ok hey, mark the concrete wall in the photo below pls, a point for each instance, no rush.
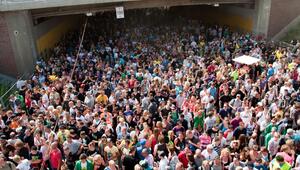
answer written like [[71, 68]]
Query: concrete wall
[[237, 18], [20, 56], [7, 59], [282, 13], [262, 15], [48, 33]]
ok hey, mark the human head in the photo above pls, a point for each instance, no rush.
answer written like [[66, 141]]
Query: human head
[[83, 157]]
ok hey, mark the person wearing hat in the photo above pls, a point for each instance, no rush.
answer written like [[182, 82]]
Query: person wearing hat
[[83, 163]]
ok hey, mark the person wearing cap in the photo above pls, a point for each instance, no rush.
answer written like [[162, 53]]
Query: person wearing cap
[[83, 163], [279, 163]]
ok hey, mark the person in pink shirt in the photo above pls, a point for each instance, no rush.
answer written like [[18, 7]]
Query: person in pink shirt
[[287, 154], [205, 140]]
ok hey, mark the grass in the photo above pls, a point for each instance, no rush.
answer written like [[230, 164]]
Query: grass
[[5, 85], [292, 34]]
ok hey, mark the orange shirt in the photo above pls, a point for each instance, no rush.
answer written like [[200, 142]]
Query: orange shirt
[[14, 125]]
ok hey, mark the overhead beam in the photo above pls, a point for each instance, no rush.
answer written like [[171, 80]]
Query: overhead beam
[[138, 4]]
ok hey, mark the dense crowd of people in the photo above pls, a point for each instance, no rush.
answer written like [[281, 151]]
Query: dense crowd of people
[[156, 95]]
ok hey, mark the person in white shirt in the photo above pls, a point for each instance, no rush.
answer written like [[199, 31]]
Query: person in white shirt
[[210, 121], [164, 162], [22, 164], [246, 115], [209, 153], [20, 83], [148, 157]]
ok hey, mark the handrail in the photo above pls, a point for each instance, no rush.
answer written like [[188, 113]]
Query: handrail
[[9, 90]]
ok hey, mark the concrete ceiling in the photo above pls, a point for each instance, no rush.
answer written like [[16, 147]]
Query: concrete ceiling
[[109, 5]]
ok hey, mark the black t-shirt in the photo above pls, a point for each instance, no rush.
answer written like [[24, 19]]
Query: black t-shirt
[[238, 131], [225, 99], [97, 135], [165, 112], [70, 159], [129, 162], [24, 152], [81, 97], [132, 124], [34, 157], [92, 153], [29, 140]]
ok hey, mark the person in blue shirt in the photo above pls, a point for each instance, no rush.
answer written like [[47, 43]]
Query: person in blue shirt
[[270, 72], [213, 90], [128, 111], [259, 165]]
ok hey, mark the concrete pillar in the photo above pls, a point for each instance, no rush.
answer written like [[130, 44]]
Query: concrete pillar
[[22, 42], [262, 8]]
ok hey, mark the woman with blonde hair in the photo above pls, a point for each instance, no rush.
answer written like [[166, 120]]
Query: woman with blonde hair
[[225, 158], [98, 162], [287, 154]]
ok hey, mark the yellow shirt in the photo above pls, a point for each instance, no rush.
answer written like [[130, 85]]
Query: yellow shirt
[[102, 99], [278, 54]]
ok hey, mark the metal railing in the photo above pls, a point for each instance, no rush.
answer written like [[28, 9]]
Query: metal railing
[[9, 87]]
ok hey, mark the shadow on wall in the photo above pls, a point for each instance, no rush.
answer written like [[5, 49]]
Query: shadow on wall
[[217, 15], [50, 37]]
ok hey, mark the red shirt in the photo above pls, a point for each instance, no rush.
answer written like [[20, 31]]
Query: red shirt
[[131, 83], [183, 159], [55, 158]]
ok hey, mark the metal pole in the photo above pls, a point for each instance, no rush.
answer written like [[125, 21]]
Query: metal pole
[[79, 49]]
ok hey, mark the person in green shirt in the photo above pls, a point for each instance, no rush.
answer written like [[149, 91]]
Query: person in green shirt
[[269, 136], [235, 75], [270, 126], [279, 163], [83, 163], [174, 114], [199, 121]]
